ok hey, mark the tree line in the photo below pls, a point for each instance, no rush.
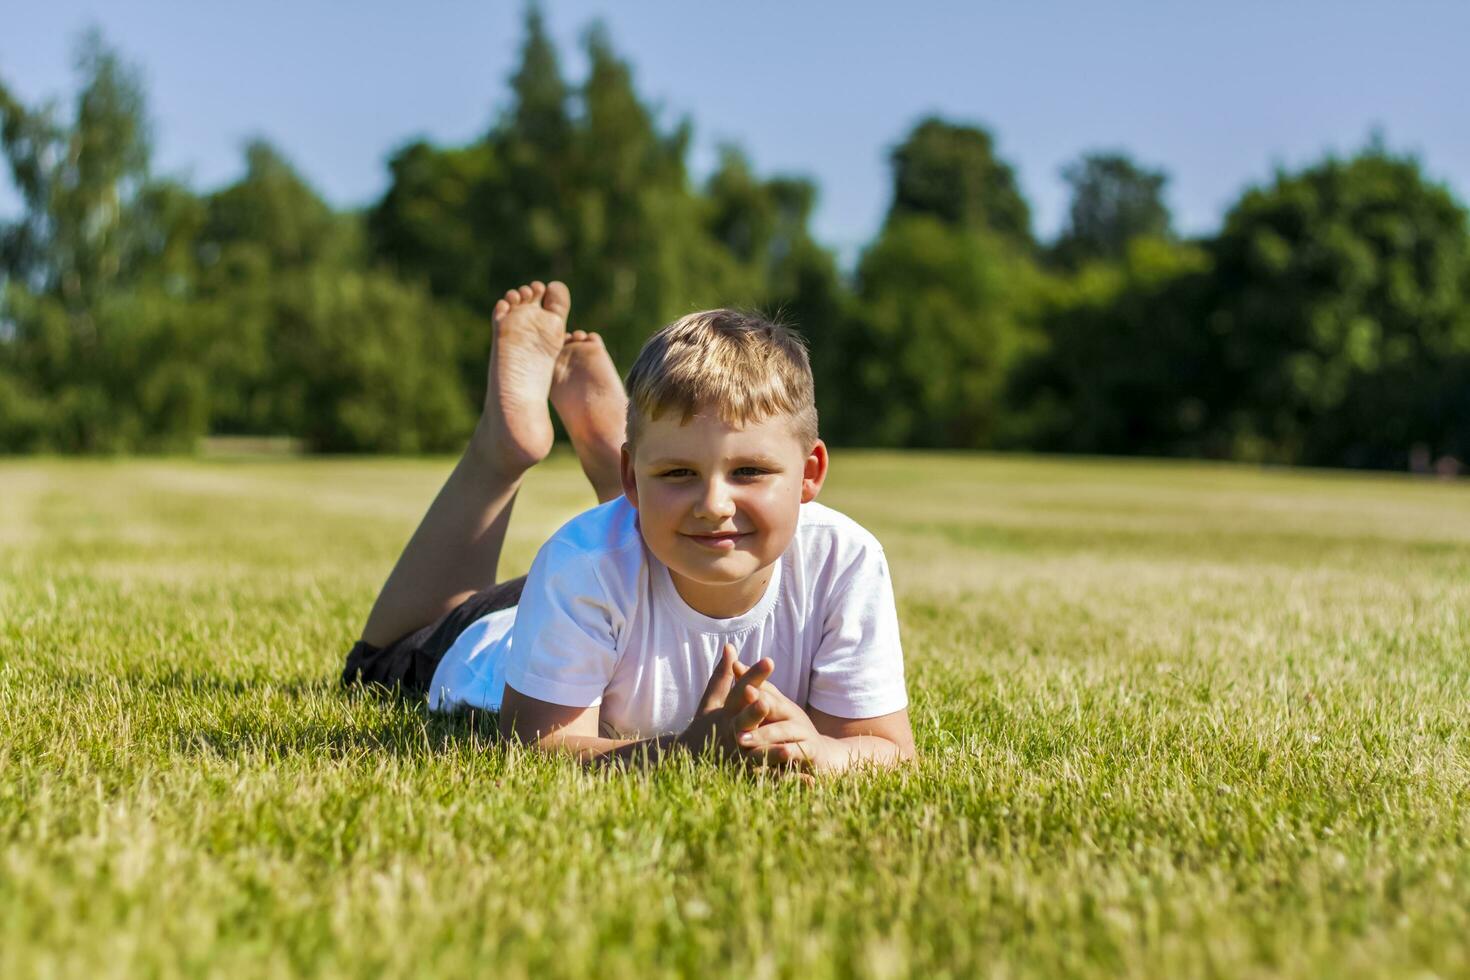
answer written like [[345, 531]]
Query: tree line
[[1327, 322]]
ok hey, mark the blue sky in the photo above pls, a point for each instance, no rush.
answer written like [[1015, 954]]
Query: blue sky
[[1216, 94]]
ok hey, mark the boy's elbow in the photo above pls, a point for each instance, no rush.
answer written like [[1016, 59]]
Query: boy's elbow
[[905, 754], [516, 731]]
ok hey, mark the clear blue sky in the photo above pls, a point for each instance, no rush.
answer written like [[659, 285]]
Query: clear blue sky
[[1215, 96]]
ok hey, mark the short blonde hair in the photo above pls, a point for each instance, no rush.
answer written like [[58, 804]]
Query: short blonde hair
[[743, 366]]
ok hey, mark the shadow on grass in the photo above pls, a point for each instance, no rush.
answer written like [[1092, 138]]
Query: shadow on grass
[[378, 721], [412, 733]]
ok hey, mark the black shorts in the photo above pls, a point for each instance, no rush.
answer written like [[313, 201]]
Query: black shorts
[[406, 665]]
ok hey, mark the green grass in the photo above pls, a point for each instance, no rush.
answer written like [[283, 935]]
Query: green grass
[[1174, 720]]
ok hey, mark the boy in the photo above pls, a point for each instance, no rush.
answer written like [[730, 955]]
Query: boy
[[707, 603]]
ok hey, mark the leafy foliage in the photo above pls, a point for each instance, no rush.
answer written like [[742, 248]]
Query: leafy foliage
[[951, 172], [1114, 201], [1325, 323], [1343, 302]]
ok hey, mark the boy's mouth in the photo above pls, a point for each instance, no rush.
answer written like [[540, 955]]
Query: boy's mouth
[[718, 541]]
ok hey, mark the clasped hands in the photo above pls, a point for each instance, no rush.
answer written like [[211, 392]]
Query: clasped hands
[[749, 720]]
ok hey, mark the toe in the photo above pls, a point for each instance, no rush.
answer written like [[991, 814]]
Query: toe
[[501, 309], [579, 335], [538, 289], [526, 294], [558, 298], [512, 297]]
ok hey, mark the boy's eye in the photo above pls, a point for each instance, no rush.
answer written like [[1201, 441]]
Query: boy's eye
[[677, 473], [750, 471]]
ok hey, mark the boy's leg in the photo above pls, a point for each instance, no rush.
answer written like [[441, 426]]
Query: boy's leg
[[455, 551], [407, 665], [589, 398]]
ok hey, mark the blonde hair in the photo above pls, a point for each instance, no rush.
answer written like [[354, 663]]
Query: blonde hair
[[741, 365]]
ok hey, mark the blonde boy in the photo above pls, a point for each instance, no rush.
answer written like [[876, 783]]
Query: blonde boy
[[707, 603]]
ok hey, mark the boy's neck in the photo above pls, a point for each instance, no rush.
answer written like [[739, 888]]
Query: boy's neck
[[723, 601]]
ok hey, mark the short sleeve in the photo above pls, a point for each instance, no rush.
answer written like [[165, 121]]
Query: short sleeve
[[857, 671], [564, 645]]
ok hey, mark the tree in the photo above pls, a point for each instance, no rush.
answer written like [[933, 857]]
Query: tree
[[951, 172], [945, 313], [1126, 365], [435, 223], [274, 214], [597, 194], [1114, 201], [946, 297], [98, 348], [79, 183], [359, 364], [1340, 296]]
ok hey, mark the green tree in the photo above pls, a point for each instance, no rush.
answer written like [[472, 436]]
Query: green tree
[[362, 363], [952, 173], [1341, 298], [582, 183], [435, 223], [98, 346], [946, 299], [275, 215], [945, 313], [80, 183], [1126, 365], [1114, 201]]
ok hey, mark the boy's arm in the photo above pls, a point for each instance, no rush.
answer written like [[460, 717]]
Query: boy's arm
[[886, 740], [564, 729]]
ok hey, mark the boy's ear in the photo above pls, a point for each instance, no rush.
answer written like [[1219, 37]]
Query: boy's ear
[[625, 470], [814, 474]]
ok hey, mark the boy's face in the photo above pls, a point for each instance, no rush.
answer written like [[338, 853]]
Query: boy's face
[[719, 504]]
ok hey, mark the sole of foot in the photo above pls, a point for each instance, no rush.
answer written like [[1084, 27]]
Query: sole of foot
[[589, 398], [530, 328]]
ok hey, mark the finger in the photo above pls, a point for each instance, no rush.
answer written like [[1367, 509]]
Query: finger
[[720, 679], [740, 668], [782, 754], [778, 706], [751, 677], [750, 716], [750, 681], [775, 733], [758, 672]]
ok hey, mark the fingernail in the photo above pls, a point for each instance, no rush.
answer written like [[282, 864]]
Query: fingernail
[[747, 737]]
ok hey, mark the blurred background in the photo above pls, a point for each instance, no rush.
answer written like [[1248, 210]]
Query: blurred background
[[1234, 233]]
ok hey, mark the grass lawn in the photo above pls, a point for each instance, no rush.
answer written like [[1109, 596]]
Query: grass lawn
[[1174, 720]]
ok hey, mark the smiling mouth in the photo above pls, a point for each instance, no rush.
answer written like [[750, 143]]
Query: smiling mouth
[[723, 540]]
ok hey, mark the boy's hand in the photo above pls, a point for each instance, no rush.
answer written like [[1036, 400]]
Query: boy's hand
[[732, 689], [773, 731]]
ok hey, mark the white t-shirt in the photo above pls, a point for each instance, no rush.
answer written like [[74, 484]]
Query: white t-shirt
[[600, 623]]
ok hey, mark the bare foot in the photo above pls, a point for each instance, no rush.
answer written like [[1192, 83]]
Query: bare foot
[[589, 397], [530, 326]]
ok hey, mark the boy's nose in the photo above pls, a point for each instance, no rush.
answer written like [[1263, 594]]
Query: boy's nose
[[715, 503]]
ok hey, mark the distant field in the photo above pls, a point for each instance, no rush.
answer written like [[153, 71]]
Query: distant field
[[1174, 719]]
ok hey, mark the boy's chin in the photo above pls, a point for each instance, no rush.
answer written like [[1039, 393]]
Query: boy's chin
[[721, 571]]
